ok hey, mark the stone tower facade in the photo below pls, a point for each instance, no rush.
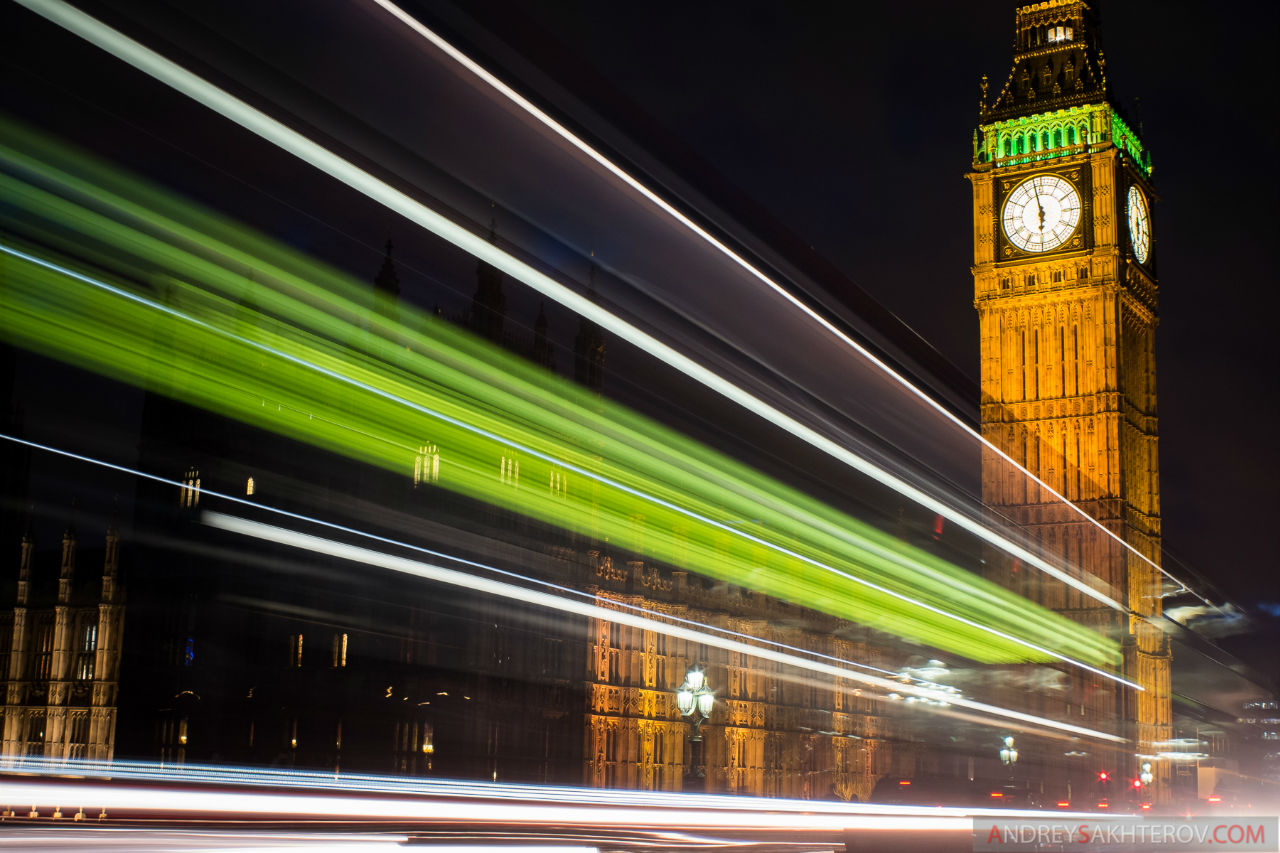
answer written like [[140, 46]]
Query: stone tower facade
[[60, 658], [1064, 270]]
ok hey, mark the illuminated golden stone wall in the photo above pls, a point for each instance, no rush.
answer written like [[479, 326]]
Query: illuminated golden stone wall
[[1069, 392], [772, 733], [62, 666]]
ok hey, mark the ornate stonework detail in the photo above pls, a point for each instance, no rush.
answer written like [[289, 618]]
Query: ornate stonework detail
[[62, 668], [759, 740], [606, 570]]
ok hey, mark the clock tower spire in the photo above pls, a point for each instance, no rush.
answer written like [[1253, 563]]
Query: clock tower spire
[[1064, 270]]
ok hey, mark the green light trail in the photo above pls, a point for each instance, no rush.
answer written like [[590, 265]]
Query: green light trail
[[237, 325]]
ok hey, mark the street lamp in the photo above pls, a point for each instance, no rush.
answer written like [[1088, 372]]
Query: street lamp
[[695, 700], [1008, 755]]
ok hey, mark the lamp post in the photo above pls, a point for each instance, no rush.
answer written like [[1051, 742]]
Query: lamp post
[[1009, 756], [695, 699]]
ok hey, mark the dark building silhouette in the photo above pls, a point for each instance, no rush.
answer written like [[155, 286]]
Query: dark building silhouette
[[488, 303], [589, 347], [387, 281], [386, 287], [542, 352]]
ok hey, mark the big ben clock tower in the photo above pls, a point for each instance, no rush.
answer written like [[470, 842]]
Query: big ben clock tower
[[1064, 270]]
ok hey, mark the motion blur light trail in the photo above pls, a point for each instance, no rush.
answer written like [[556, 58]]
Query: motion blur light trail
[[451, 809], [233, 792], [60, 838], [309, 780], [325, 160], [501, 589], [313, 364], [709, 635], [577, 602], [84, 321], [514, 97]]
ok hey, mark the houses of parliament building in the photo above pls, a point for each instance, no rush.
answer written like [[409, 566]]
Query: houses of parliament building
[[177, 645]]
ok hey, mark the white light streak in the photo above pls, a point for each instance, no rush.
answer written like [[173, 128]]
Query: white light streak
[[662, 620], [85, 837], [326, 161], [564, 133], [453, 810], [400, 786], [440, 574]]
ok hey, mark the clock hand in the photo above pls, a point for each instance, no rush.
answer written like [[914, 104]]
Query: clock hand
[[1039, 206]]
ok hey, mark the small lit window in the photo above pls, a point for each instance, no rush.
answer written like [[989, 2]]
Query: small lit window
[[87, 658], [559, 483], [295, 650], [189, 494], [249, 487], [182, 731], [339, 650], [509, 470], [426, 465]]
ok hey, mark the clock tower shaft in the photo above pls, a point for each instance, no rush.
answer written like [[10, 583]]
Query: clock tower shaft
[[1068, 374]]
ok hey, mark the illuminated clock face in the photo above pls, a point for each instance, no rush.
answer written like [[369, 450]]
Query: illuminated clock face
[[1139, 225], [1041, 213]]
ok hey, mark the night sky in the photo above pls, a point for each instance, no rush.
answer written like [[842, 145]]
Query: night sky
[[851, 124]]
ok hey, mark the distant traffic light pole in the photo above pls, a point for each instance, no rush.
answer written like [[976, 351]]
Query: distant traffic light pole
[[695, 699]]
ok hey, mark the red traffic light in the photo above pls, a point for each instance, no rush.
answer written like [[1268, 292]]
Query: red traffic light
[[1103, 776], [1137, 783]]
